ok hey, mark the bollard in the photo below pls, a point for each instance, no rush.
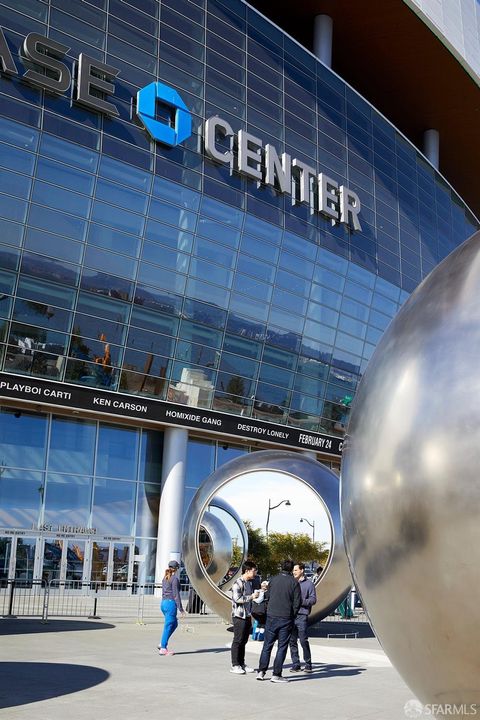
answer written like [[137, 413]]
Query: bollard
[[45, 601], [10, 599], [94, 615]]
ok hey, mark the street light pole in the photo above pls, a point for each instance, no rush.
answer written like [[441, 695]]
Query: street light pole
[[272, 507], [312, 525]]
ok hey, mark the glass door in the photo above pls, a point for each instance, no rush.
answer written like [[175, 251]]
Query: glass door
[[25, 559], [121, 555], [100, 564], [75, 560], [5, 557], [52, 559]]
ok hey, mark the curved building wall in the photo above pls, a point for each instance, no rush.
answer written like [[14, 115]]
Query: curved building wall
[[155, 271], [137, 276], [458, 23]]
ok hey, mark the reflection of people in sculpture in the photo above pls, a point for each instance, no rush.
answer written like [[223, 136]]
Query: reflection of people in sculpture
[[284, 600], [171, 602], [242, 596], [299, 631]]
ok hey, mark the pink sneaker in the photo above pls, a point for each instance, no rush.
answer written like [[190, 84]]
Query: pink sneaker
[[164, 651]]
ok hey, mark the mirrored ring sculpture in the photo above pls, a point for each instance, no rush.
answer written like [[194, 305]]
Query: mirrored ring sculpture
[[335, 580], [221, 541]]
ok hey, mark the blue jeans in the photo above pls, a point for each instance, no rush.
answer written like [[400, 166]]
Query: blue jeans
[[169, 609], [299, 632], [276, 628]]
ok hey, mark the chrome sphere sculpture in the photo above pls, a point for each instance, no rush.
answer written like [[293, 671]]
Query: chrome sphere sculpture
[[410, 494], [221, 504], [221, 543], [335, 580]]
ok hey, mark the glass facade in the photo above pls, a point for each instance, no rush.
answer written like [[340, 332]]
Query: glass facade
[[151, 270]]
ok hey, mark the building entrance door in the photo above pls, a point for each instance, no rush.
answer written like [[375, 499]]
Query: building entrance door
[[112, 562]]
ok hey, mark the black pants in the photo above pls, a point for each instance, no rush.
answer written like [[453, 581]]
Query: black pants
[[241, 631], [299, 632], [276, 629]]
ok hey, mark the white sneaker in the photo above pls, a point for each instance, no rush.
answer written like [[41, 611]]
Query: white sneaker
[[237, 670], [248, 669], [261, 675], [279, 679]]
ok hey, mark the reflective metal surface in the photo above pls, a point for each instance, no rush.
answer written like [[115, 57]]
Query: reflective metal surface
[[221, 504], [220, 551], [335, 580], [411, 489]]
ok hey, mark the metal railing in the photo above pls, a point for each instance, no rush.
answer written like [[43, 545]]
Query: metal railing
[[40, 598]]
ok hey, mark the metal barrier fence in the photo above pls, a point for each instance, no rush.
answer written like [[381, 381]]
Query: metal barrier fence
[[20, 598]]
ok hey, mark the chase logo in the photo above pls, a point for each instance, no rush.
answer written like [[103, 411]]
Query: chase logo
[[159, 99]]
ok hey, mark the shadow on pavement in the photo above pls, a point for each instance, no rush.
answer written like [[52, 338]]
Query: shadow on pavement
[[338, 627], [25, 682], [327, 671], [25, 626]]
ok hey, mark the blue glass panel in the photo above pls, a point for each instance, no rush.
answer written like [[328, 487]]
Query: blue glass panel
[[53, 269], [116, 264], [60, 199], [67, 152], [41, 314], [22, 112], [14, 159], [173, 215], [256, 268], [68, 497], [225, 213], [115, 240], [21, 501], [246, 306], [118, 195], [11, 233], [104, 307], [151, 252], [117, 218], [72, 446], [37, 290], [23, 438], [113, 506], [169, 236], [200, 461], [260, 249], [49, 219], [211, 273], [161, 278], [104, 284], [252, 288], [126, 175], [67, 177], [19, 135], [209, 293], [218, 231], [211, 251], [12, 209]]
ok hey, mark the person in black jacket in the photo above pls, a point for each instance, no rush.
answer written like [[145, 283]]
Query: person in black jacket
[[283, 603]]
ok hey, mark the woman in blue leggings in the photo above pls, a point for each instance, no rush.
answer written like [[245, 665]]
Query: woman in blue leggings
[[171, 602]]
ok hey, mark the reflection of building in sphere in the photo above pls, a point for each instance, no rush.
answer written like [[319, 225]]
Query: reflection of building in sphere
[[410, 486]]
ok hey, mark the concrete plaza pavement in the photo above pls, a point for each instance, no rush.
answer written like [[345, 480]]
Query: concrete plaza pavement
[[76, 669]]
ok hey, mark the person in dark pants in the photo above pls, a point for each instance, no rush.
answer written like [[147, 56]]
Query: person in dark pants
[[242, 596], [299, 632], [283, 603]]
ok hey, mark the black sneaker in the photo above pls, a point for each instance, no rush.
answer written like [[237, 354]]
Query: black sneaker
[[308, 669], [295, 668]]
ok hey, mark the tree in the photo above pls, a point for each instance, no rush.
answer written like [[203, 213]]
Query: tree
[[282, 546]]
